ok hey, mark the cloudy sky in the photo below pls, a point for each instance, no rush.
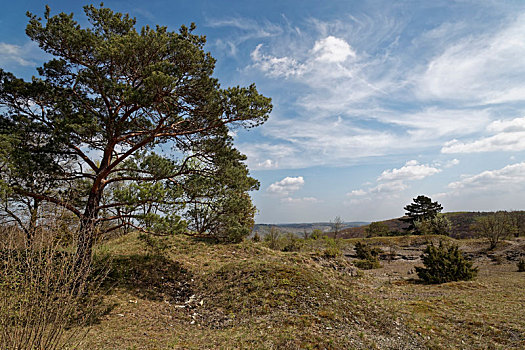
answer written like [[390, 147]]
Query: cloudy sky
[[375, 102]]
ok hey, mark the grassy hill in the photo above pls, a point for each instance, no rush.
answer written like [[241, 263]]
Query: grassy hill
[[461, 225], [182, 293]]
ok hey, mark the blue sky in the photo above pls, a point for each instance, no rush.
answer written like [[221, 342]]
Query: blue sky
[[375, 102]]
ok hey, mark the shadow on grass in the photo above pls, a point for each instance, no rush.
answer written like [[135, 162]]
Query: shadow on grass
[[149, 276], [206, 240]]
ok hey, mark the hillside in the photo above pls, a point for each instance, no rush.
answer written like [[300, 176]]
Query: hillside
[[461, 225], [299, 228], [182, 293]]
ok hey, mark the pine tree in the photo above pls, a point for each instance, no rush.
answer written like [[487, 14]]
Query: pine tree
[[420, 210], [127, 128]]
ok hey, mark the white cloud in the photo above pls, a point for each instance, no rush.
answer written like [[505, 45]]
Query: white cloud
[[510, 136], [286, 186], [259, 153], [485, 68], [254, 28], [336, 140], [412, 170], [508, 179], [276, 66], [302, 200], [392, 182], [339, 119], [512, 125], [325, 67], [332, 49], [357, 193], [353, 82], [393, 187], [501, 142], [434, 123], [324, 52], [267, 164], [330, 138], [244, 29], [20, 55], [451, 163]]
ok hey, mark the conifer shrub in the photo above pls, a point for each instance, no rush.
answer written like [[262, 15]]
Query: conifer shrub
[[368, 257], [445, 263], [364, 251], [367, 264]]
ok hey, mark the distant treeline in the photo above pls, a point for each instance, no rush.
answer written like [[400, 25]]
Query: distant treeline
[[461, 224], [299, 228]]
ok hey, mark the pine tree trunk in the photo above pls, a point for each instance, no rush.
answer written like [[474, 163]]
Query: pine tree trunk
[[86, 234], [30, 232]]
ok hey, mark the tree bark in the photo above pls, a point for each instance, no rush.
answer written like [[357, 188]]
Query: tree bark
[[86, 234], [33, 220]]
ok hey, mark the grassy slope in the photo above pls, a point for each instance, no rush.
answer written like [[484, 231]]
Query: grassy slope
[[204, 296]]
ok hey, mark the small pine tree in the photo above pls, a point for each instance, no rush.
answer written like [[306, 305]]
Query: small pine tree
[[445, 263], [364, 251], [367, 264], [368, 256], [421, 209]]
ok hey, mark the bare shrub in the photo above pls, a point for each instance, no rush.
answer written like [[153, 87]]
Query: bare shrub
[[494, 227], [273, 238], [337, 225], [44, 293]]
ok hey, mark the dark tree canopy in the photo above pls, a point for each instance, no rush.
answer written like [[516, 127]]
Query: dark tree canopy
[[421, 209], [126, 128]]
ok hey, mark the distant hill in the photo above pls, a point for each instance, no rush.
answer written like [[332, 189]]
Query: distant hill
[[299, 228], [461, 223]]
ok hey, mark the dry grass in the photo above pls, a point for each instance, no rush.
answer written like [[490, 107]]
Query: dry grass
[[198, 295]]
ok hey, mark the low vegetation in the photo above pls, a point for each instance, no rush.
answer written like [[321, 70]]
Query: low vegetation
[[125, 210], [179, 292], [368, 257], [44, 292], [445, 263], [521, 265], [495, 227]]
